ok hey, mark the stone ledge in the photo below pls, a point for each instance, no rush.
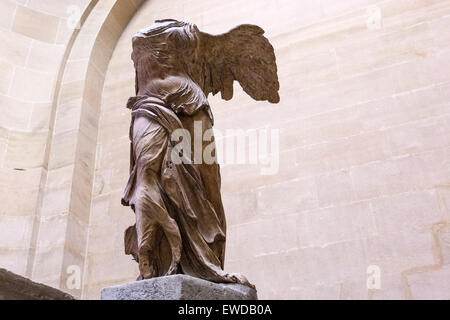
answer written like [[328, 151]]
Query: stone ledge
[[178, 287], [15, 287]]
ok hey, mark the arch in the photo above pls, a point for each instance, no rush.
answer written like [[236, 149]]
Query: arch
[[60, 229]]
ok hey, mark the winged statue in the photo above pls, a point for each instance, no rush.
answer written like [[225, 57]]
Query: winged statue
[[180, 222]]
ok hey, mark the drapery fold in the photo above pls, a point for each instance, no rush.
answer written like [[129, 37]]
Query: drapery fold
[[180, 191]]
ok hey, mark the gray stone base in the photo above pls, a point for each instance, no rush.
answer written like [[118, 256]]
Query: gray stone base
[[15, 287], [178, 287]]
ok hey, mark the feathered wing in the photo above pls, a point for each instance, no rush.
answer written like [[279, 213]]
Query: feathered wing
[[242, 54]]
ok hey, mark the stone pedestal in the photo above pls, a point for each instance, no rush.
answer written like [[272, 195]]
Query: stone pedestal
[[178, 287], [15, 287]]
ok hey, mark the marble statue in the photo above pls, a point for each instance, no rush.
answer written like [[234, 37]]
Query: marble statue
[[180, 223]]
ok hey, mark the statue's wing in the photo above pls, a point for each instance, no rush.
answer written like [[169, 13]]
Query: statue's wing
[[242, 54]]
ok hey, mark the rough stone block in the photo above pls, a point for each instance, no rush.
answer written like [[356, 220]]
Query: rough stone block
[[178, 287], [15, 287]]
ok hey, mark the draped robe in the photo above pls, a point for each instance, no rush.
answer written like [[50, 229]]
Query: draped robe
[[188, 193]]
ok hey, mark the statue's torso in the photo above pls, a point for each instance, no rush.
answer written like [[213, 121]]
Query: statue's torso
[[179, 93]]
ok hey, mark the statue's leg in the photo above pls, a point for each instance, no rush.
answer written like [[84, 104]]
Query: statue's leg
[[150, 140], [145, 229], [151, 212]]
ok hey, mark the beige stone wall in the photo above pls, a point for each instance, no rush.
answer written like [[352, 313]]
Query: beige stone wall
[[364, 176], [48, 163], [364, 130], [34, 35]]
